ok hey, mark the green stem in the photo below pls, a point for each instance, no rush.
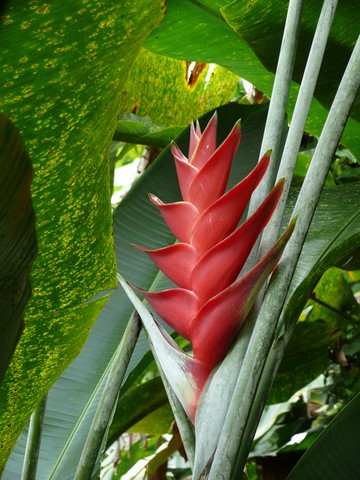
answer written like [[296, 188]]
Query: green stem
[[278, 103], [33, 442], [237, 421], [266, 380], [286, 169], [108, 399], [276, 117], [299, 117]]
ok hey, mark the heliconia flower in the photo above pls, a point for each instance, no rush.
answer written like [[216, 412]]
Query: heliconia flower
[[212, 300]]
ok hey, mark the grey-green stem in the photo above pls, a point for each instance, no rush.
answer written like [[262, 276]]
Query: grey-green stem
[[275, 122], [300, 114], [33, 442], [186, 430], [117, 370], [278, 103]]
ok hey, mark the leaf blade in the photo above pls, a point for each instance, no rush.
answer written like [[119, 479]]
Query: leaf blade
[[18, 243]]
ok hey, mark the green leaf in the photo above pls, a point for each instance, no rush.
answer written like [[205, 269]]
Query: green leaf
[[157, 422], [245, 37], [159, 88], [335, 453], [305, 357], [63, 69], [334, 236], [142, 130], [301, 167], [267, 46], [333, 301], [17, 238], [307, 354]]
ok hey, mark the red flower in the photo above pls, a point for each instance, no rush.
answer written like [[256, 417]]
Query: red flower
[[212, 301]]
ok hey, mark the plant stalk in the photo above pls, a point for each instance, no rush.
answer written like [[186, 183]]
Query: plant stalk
[[297, 126], [286, 168], [233, 445], [118, 367], [33, 442], [275, 121], [278, 102]]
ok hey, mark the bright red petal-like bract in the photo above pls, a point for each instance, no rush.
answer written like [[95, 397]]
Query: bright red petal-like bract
[[212, 300]]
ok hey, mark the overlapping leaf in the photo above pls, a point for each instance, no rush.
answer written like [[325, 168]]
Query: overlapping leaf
[[338, 441], [63, 69]]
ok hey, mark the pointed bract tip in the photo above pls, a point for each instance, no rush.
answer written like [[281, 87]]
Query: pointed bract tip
[[280, 183], [139, 247], [154, 199], [268, 152]]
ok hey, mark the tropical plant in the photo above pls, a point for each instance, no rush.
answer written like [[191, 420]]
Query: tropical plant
[[67, 72]]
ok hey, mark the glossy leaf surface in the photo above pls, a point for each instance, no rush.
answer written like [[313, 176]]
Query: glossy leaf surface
[[189, 96]]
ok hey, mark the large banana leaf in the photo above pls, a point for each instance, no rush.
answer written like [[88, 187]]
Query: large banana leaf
[[245, 38], [17, 238], [63, 69]]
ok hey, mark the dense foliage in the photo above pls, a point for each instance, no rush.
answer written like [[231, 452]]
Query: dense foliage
[[83, 79]]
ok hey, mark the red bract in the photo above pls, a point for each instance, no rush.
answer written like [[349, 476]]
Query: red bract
[[212, 301]]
